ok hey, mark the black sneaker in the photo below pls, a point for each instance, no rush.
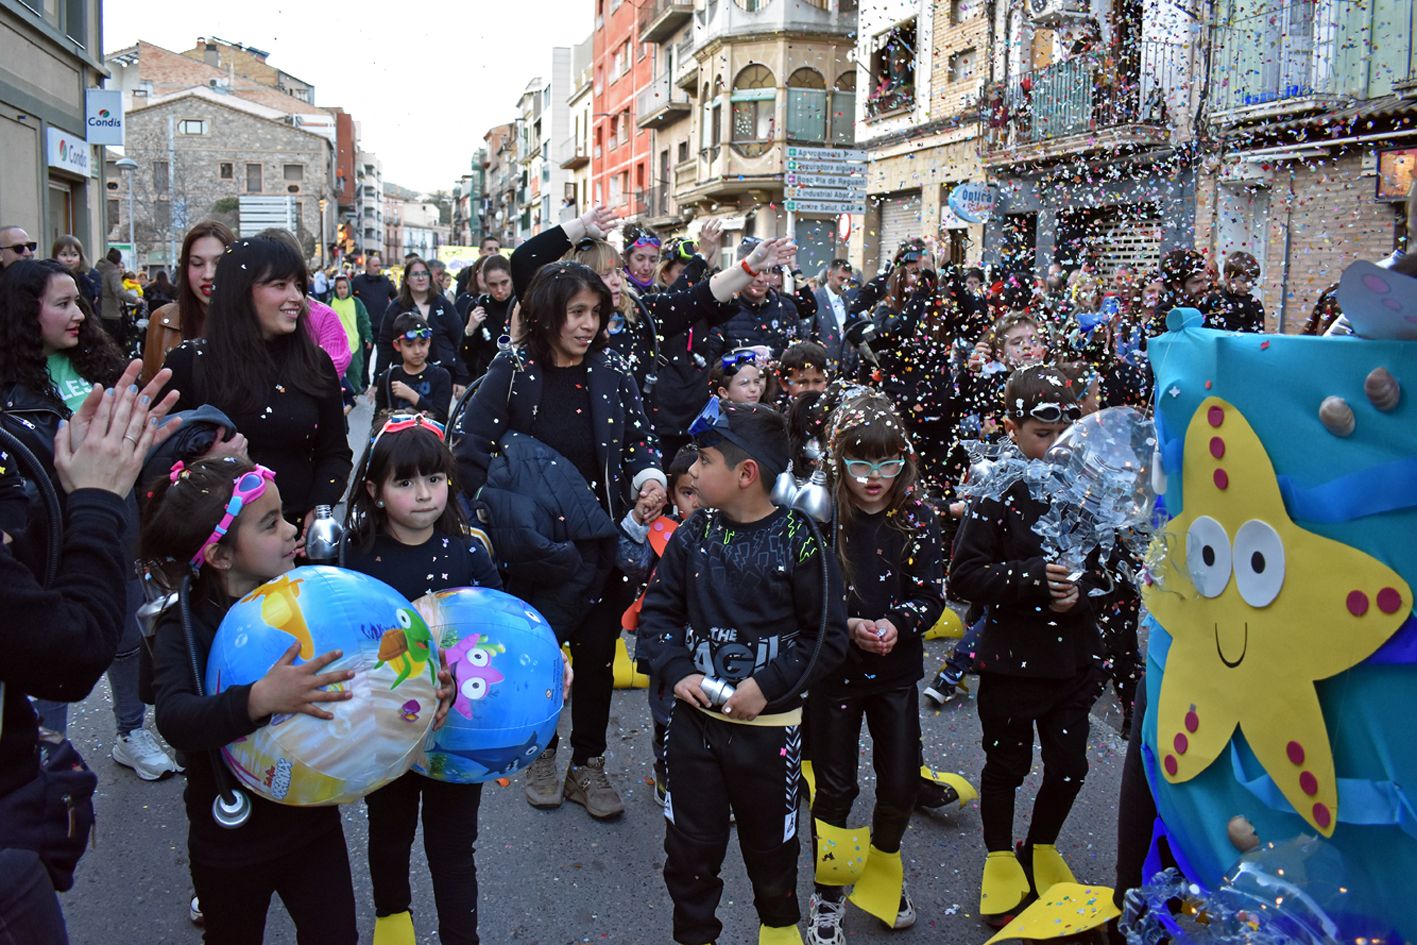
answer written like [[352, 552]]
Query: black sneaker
[[943, 688], [933, 795]]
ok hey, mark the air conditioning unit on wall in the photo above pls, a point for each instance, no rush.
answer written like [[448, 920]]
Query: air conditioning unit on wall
[[1053, 12]]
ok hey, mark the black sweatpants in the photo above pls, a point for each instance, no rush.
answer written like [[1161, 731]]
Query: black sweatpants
[[893, 719], [593, 682], [312, 880], [1009, 709], [449, 838], [752, 770]]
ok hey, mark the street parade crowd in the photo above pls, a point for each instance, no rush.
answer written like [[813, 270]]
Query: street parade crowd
[[760, 471]]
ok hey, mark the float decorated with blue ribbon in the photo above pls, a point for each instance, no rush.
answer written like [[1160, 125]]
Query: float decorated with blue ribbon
[[1283, 649]]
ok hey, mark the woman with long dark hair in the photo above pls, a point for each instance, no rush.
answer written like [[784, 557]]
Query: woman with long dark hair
[[183, 319], [53, 350], [420, 294], [560, 387], [257, 362]]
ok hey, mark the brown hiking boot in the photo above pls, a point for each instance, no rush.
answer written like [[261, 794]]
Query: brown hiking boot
[[542, 781], [588, 785]]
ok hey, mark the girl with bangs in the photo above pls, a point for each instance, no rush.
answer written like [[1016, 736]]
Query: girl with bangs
[[888, 544], [258, 363], [407, 530]]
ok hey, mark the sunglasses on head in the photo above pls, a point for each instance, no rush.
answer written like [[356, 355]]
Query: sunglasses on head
[[29, 247], [646, 241], [416, 334], [739, 358]]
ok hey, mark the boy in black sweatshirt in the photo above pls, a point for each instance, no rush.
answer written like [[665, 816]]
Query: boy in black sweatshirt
[[1038, 658], [739, 598], [413, 383]]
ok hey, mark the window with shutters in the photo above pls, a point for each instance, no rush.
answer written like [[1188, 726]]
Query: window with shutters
[[754, 102]]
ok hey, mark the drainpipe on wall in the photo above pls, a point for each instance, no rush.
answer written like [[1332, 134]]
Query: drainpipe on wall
[[1284, 267]]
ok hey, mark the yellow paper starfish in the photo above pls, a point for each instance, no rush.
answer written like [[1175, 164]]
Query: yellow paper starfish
[[1248, 639]]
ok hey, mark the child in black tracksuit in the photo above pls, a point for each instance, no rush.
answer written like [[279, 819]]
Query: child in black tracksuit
[[739, 597], [888, 542], [1038, 657]]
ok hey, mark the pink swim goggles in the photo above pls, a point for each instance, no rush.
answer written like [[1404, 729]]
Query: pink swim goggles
[[245, 489]]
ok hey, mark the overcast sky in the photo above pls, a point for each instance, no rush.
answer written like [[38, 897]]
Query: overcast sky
[[424, 81]]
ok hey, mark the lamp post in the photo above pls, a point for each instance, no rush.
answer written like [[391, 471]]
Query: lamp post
[[323, 205], [127, 165]]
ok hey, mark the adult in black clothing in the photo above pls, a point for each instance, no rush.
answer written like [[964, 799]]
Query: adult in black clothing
[[1186, 282], [801, 294], [486, 315], [763, 317], [560, 386], [374, 289], [658, 331], [419, 294], [96, 460], [1233, 307], [259, 365]]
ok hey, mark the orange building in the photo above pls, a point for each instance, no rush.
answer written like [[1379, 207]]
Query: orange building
[[620, 149]]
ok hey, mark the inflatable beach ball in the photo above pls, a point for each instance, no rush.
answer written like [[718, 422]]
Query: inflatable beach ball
[[507, 677], [374, 737]]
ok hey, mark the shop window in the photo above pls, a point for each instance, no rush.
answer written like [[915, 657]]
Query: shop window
[[754, 101], [892, 70]]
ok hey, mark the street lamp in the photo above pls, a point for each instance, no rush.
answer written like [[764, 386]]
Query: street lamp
[[127, 165]]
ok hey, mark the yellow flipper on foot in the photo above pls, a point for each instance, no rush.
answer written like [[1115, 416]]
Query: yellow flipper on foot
[[1049, 868], [396, 929], [623, 669], [1005, 885], [878, 890], [963, 788], [948, 627], [1067, 909], [809, 778], [779, 935], [841, 853]]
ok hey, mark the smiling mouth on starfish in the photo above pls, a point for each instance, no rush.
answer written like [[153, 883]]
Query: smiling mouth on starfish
[[1244, 648]]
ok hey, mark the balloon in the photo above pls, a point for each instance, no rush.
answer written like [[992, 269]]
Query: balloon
[[304, 761], [507, 672]]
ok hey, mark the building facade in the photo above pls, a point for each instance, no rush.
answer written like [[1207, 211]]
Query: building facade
[[622, 69], [1313, 126], [500, 215], [922, 65], [52, 181], [575, 151], [664, 110], [368, 202], [1090, 131]]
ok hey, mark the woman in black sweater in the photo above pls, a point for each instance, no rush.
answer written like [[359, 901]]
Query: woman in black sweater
[[418, 294], [257, 363]]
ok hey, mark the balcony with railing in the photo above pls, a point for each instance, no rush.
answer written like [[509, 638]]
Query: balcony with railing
[[686, 67], [575, 153], [1265, 66], [661, 104], [1090, 102], [660, 19]]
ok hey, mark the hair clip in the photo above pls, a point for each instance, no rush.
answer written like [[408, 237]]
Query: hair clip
[[178, 470]]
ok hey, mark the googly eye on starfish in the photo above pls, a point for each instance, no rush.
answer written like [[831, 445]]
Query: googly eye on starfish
[[1258, 609]]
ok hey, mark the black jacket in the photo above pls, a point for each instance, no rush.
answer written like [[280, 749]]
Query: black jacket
[[998, 563], [58, 641], [480, 347], [1229, 312], [508, 400], [447, 339], [376, 293], [739, 600], [550, 537], [198, 727], [773, 322]]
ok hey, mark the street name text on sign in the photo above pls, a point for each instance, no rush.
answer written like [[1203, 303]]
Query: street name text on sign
[[825, 180]]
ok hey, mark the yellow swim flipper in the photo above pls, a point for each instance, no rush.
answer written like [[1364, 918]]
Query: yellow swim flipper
[[879, 889], [396, 929], [1004, 888], [841, 853]]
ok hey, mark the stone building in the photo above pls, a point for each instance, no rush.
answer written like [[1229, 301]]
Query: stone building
[[199, 150]]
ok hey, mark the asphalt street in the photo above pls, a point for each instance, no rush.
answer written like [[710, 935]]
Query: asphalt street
[[558, 877]]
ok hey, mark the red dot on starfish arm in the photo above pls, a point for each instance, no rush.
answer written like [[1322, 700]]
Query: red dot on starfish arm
[[1193, 721], [1181, 743], [1295, 752], [1171, 766], [1216, 416], [1217, 447], [1322, 817], [1222, 479], [1389, 600], [1308, 783], [1357, 603]]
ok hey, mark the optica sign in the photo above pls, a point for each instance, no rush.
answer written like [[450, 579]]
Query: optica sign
[[103, 116], [973, 203]]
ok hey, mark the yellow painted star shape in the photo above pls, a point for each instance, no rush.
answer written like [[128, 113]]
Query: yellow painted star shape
[[1258, 609]]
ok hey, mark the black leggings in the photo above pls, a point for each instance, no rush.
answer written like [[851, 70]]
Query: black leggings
[[449, 838], [1009, 708], [312, 880], [593, 682], [894, 722], [752, 770]]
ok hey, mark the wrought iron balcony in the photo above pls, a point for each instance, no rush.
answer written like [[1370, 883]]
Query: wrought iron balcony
[[661, 19]]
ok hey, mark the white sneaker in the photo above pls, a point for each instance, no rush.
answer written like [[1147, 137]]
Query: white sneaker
[[905, 917], [194, 912], [140, 751], [824, 921]]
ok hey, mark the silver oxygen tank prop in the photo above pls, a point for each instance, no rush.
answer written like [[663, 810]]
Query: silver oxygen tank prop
[[323, 538], [784, 489], [814, 498]]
